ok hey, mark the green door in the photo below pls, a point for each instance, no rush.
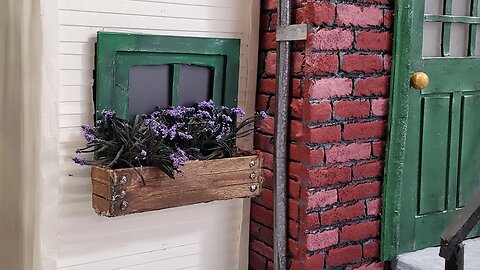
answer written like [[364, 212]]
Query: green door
[[433, 160]]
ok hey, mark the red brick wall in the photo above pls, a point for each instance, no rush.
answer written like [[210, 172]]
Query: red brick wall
[[340, 85]]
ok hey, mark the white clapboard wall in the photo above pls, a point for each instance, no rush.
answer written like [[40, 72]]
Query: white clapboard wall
[[205, 236]]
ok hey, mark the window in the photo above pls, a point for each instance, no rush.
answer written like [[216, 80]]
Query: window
[[136, 73]]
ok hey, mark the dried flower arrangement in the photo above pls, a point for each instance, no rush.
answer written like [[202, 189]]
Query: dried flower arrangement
[[166, 138]]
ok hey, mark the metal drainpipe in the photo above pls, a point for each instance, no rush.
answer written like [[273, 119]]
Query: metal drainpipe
[[285, 34]]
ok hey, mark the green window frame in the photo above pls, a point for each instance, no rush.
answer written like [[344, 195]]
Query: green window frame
[[118, 53]]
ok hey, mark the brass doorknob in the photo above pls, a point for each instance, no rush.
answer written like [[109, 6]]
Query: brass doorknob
[[419, 80]]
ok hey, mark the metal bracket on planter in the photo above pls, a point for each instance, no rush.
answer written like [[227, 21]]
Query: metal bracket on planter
[[292, 32]]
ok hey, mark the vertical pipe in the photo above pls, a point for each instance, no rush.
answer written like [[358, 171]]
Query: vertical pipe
[[282, 94]]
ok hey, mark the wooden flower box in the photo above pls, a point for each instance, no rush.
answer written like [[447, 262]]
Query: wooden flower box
[[121, 192]]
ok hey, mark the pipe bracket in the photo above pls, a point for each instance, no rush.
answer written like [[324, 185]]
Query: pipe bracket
[[293, 32]]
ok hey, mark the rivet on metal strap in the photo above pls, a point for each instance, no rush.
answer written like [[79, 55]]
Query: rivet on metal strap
[[123, 194], [253, 176], [252, 163], [253, 188], [124, 205]]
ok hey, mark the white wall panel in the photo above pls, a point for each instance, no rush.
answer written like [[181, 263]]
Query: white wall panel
[[211, 236]]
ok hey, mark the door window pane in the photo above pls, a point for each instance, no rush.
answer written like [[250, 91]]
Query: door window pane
[[432, 39], [459, 39], [477, 49], [149, 87], [434, 7], [195, 84], [461, 7]]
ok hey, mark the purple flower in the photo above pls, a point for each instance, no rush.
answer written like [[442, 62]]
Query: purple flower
[[227, 118], [206, 105], [88, 133], [78, 160], [263, 114], [238, 112], [178, 158], [185, 136], [204, 114], [219, 138], [143, 153], [108, 114]]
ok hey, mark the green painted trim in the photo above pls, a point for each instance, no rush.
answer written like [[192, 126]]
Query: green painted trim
[[446, 29], [473, 30], [109, 45], [175, 83], [403, 51], [452, 19]]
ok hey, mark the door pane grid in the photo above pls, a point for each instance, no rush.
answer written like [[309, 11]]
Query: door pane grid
[[473, 30], [460, 25], [447, 29]]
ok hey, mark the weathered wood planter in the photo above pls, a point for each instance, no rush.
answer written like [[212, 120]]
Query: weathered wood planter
[[121, 192]]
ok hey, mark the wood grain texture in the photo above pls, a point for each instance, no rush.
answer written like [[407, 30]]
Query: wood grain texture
[[121, 192]]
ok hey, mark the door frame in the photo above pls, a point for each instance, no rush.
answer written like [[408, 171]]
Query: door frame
[[397, 129]]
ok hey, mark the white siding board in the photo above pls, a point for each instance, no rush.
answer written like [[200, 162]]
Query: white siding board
[[203, 236]]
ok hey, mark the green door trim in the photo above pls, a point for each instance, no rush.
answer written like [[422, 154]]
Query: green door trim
[[397, 128]]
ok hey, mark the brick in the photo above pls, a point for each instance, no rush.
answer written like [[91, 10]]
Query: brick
[[330, 87], [321, 13], [380, 107], [297, 129], [365, 130], [262, 215], [321, 198], [270, 4], [344, 255], [369, 266], [293, 229], [378, 86], [262, 233], [342, 214], [297, 170], [350, 152], [312, 221], [292, 247], [378, 148], [360, 231], [296, 90], [300, 15], [359, 191], [314, 262], [331, 39], [266, 86], [268, 178], [387, 62], [267, 160], [302, 153], [266, 198], [327, 134], [373, 41], [367, 170], [263, 142], [293, 209], [267, 41], [374, 207], [266, 125], [326, 176], [317, 112], [347, 109], [262, 102], [257, 261], [359, 15], [321, 63], [271, 63], [293, 189], [388, 19], [262, 249], [371, 249], [296, 107], [322, 240], [367, 63]]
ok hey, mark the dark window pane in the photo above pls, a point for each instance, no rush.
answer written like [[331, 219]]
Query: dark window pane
[[149, 88], [195, 84]]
